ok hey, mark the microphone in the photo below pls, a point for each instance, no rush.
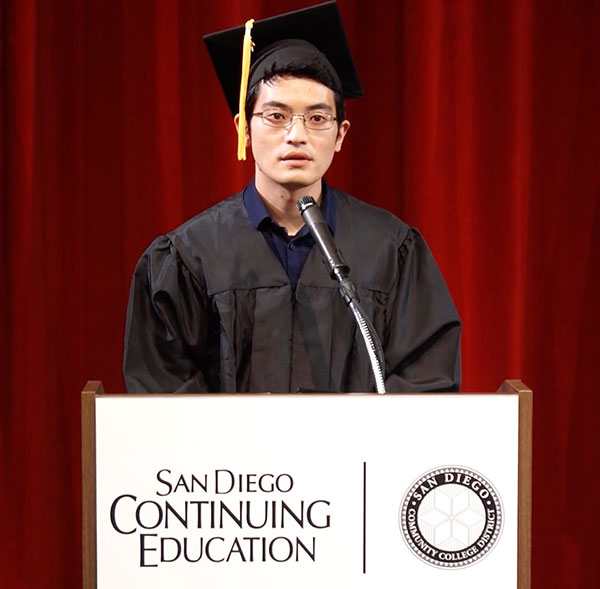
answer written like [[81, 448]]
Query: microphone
[[332, 257], [339, 270]]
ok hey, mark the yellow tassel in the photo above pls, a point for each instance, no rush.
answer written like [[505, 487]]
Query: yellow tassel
[[247, 49]]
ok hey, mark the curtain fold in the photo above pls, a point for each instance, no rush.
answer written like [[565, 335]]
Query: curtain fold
[[480, 126]]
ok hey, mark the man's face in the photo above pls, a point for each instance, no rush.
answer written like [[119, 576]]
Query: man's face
[[295, 157]]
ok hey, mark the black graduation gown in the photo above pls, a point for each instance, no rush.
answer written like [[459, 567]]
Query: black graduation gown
[[211, 309]]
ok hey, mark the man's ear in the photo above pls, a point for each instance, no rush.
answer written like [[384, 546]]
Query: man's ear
[[342, 130], [236, 120]]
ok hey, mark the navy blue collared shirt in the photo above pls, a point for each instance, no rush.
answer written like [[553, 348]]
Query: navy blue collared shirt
[[293, 251]]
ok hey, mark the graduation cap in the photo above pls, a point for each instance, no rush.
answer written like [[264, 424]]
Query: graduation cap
[[310, 36]]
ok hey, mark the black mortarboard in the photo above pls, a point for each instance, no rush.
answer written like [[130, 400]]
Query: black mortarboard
[[320, 25]]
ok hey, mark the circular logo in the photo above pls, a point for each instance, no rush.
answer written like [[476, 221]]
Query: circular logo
[[451, 517]]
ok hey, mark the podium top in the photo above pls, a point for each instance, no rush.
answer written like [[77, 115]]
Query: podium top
[[509, 386]]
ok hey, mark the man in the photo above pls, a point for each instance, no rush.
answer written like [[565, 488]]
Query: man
[[237, 298]]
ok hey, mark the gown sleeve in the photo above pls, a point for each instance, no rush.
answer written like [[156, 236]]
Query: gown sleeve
[[166, 326], [422, 343]]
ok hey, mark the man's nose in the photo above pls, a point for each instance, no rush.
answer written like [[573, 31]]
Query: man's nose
[[296, 131]]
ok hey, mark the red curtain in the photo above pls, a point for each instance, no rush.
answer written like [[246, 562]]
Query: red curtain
[[480, 126]]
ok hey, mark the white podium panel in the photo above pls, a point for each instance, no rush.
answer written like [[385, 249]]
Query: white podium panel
[[297, 491]]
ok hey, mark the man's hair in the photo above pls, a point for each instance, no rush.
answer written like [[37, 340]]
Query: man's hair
[[310, 72]]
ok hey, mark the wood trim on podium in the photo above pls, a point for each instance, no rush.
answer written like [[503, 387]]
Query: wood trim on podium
[[525, 460], [88, 480]]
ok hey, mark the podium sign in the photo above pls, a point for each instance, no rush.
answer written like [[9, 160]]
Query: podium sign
[[271, 491]]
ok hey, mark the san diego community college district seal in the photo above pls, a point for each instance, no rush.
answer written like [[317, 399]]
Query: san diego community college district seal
[[451, 517]]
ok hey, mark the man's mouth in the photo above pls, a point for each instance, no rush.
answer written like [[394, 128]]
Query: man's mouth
[[296, 156]]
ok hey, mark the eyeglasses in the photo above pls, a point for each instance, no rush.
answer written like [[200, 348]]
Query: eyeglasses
[[315, 120]]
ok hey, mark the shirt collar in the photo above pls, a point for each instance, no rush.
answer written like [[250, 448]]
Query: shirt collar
[[258, 213]]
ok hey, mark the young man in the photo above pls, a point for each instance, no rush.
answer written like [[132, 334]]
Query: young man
[[237, 298]]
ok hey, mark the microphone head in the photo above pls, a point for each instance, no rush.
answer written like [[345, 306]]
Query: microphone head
[[304, 202]]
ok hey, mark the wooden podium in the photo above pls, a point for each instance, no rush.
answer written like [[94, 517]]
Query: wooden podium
[[307, 490]]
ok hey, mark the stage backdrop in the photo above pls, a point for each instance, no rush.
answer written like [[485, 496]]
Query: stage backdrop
[[480, 126]]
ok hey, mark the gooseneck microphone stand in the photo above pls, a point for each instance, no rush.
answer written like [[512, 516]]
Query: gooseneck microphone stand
[[339, 271]]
